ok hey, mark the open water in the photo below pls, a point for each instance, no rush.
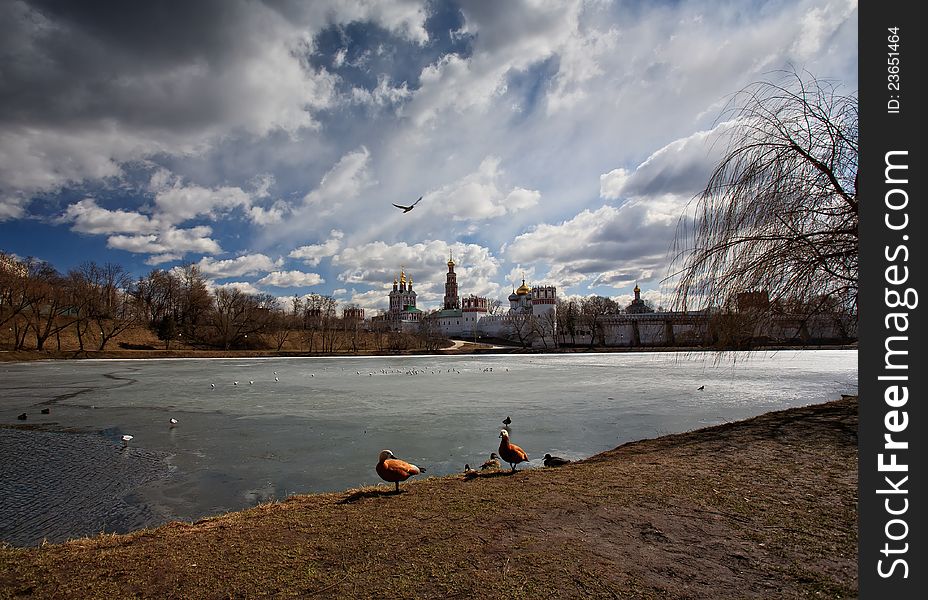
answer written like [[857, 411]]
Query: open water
[[302, 425]]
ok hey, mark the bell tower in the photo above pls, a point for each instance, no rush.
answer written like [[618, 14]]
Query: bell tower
[[451, 287]]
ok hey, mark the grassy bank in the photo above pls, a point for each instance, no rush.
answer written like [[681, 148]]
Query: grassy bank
[[765, 507]]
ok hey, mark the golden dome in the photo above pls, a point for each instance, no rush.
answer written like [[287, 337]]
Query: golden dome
[[450, 260], [523, 289], [403, 276], [637, 289]]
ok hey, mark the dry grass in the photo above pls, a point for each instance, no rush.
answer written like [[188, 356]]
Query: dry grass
[[760, 508]]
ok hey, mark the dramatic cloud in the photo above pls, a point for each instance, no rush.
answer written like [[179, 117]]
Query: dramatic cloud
[[563, 140]]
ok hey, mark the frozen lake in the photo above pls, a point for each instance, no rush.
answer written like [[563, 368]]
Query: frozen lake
[[321, 424]]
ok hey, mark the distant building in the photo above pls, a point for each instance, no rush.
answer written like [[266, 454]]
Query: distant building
[[403, 314], [638, 306], [353, 313]]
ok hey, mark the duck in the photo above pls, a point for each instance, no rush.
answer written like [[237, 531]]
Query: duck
[[22, 417], [173, 421], [46, 411], [509, 452], [395, 470], [470, 473], [555, 461], [702, 387], [491, 464]]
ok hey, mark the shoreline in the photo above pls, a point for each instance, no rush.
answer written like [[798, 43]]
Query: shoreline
[[29, 356], [708, 513]]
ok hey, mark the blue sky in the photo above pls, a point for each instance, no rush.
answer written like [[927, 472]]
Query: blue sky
[[266, 141]]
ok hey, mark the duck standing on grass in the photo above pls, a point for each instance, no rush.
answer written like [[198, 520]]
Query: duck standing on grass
[[509, 452], [395, 470]]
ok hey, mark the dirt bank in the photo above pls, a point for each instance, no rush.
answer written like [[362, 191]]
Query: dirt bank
[[762, 508]]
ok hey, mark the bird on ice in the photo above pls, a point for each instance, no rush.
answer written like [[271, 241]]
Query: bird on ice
[[395, 470], [555, 461], [509, 452], [406, 209], [491, 464]]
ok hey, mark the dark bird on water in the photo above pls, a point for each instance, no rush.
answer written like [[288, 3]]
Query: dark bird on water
[[555, 461], [406, 209], [46, 411], [22, 417], [702, 387], [507, 421]]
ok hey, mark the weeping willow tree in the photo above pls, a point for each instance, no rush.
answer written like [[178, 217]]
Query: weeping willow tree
[[779, 214]]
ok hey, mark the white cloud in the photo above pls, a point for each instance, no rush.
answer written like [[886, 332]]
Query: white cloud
[[88, 217], [177, 202], [291, 279], [248, 264], [173, 243], [312, 254], [612, 183], [478, 195], [245, 287], [342, 182]]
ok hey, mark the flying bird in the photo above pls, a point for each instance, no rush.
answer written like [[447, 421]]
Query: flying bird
[[395, 470], [555, 461], [406, 209], [509, 452]]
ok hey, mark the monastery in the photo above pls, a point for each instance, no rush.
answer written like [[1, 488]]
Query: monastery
[[532, 320], [468, 316]]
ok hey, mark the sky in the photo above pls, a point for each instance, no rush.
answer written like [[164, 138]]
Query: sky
[[266, 141]]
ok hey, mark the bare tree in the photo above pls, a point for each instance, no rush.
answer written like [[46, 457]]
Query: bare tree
[[110, 307], [779, 213], [568, 317], [592, 309]]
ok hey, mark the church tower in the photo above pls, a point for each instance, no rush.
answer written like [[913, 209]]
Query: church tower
[[451, 287]]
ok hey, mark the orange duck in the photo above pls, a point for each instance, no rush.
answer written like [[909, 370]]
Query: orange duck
[[509, 452], [395, 470]]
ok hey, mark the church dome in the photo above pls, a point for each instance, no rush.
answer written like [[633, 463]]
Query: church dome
[[513, 296], [523, 289]]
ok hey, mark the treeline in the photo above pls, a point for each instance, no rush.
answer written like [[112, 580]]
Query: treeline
[[96, 303]]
